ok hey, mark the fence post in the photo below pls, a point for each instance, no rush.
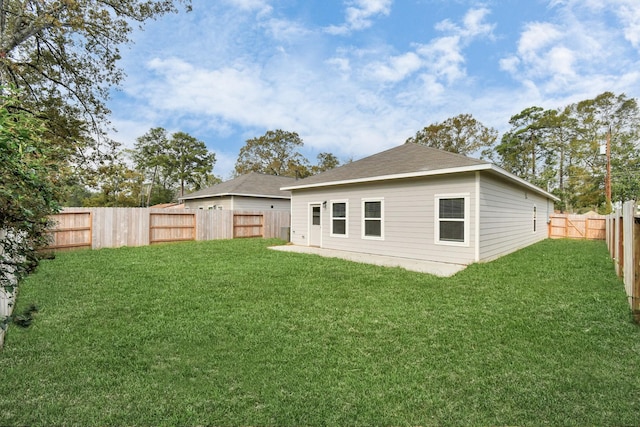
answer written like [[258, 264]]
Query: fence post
[[635, 299]]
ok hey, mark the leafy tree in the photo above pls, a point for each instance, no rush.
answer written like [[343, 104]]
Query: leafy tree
[[178, 160], [189, 161], [523, 149], [560, 149], [64, 54], [560, 134], [274, 153], [119, 186], [461, 134], [150, 159], [28, 189], [326, 161], [595, 119]]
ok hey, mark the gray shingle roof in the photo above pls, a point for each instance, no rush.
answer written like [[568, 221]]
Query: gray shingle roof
[[252, 184], [407, 160], [404, 159]]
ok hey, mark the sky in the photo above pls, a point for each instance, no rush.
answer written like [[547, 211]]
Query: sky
[[356, 77]]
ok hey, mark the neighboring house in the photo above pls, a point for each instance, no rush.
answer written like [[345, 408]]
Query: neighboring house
[[419, 203], [253, 191]]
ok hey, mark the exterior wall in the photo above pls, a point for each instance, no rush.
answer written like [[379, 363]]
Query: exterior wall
[[260, 204], [408, 217], [239, 203], [224, 202], [506, 217]]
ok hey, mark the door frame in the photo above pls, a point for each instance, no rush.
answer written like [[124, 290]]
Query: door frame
[[310, 207]]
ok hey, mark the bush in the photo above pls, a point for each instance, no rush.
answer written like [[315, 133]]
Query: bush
[[28, 194]]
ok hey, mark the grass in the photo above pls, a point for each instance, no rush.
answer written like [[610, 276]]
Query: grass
[[230, 333]]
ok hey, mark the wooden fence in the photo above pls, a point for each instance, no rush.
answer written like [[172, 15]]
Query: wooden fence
[[571, 226], [623, 241], [115, 227]]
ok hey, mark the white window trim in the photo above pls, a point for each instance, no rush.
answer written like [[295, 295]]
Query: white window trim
[[374, 199], [346, 218], [466, 220]]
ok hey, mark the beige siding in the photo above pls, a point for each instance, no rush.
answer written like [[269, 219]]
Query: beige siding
[[239, 203], [506, 217], [224, 203], [260, 204], [409, 218]]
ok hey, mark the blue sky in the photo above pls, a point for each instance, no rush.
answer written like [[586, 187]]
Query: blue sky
[[354, 77]]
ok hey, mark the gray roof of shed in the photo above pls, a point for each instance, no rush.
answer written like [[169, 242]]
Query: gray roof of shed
[[406, 161], [251, 185]]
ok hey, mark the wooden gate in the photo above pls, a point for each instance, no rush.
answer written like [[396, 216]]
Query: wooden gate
[[73, 230], [248, 225], [171, 227], [577, 227]]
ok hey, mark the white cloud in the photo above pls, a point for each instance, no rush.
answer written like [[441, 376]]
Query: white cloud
[[473, 24], [578, 48], [286, 30], [359, 15], [397, 68], [444, 58], [260, 6], [538, 36], [629, 14]]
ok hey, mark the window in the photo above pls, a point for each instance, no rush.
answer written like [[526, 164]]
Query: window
[[315, 220], [372, 223], [339, 219], [452, 214], [535, 217]]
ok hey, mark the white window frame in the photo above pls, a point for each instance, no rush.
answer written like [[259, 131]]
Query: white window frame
[[381, 219], [466, 219], [346, 218]]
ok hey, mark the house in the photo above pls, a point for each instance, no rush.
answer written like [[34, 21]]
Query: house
[[419, 203], [253, 191]]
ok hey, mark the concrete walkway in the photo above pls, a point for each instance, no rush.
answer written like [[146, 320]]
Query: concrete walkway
[[436, 268]]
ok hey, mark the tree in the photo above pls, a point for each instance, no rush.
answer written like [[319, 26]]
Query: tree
[[461, 134], [174, 161], [119, 186], [189, 161], [149, 156], [274, 153], [559, 150], [64, 54], [326, 161], [522, 150], [606, 115], [28, 189]]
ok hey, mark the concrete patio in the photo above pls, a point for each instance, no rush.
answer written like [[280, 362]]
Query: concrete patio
[[436, 268]]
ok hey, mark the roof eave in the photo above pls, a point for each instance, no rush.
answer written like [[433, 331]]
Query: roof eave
[[207, 196], [391, 177]]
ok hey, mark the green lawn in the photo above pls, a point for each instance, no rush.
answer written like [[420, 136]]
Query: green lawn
[[231, 333]]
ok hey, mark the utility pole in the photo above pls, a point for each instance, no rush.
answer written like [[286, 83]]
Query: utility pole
[[607, 182]]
